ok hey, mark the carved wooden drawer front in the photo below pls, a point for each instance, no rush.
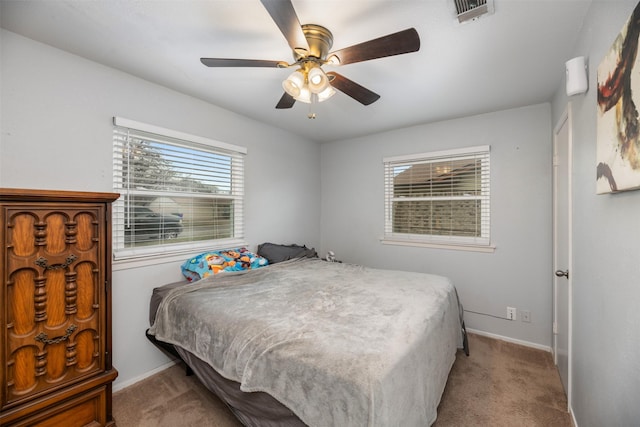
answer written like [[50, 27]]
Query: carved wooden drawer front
[[54, 328], [56, 308]]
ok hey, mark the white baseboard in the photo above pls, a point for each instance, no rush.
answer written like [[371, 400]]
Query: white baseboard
[[573, 417], [117, 386], [511, 340]]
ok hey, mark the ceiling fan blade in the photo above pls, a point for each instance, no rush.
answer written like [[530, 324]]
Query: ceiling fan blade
[[225, 62], [393, 44], [286, 101], [284, 15], [353, 89]]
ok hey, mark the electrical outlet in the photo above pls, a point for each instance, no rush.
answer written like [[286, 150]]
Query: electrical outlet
[[511, 313], [525, 315]]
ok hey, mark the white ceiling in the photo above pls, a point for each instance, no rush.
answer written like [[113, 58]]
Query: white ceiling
[[511, 58]]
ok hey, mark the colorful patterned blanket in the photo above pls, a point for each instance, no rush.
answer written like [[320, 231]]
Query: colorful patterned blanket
[[214, 262]]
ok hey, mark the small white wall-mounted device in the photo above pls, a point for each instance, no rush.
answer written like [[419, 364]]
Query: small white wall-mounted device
[[576, 71]]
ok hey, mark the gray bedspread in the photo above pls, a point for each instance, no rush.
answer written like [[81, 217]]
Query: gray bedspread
[[339, 344]]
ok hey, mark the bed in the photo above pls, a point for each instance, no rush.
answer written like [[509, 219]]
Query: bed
[[310, 342]]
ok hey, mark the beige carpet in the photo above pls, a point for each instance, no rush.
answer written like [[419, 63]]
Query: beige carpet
[[499, 384], [503, 384]]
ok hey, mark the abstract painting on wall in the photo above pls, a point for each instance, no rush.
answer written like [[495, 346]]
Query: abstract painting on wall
[[618, 138]]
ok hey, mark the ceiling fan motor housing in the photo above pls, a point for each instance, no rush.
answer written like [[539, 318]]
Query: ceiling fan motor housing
[[320, 41]]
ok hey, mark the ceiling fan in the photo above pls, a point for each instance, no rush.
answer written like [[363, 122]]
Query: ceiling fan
[[311, 44]]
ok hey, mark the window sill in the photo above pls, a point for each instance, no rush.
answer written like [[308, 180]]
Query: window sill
[[449, 246], [180, 254], [127, 264]]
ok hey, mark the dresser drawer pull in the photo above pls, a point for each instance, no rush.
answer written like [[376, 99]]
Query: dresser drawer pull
[[42, 337], [42, 262]]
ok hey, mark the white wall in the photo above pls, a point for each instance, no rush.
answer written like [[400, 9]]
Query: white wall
[[606, 245], [517, 274], [56, 133]]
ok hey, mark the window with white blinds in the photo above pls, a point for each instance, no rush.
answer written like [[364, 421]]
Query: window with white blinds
[[178, 192], [438, 198]]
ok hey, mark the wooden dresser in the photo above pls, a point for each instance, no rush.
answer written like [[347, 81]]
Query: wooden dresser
[[55, 301]]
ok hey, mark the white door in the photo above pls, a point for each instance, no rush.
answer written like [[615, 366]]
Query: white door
[[562, 248]]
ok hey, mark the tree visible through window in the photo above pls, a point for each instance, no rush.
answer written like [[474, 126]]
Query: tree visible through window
[[438, 197], [175, 192]]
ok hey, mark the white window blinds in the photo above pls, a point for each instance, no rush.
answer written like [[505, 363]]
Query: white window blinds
[[178, 191], [441, 197]]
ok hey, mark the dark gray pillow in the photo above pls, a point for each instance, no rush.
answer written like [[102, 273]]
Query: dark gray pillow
[[277, 253]]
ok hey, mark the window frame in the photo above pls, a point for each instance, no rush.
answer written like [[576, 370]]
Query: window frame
[[481, 243], [148, 255]]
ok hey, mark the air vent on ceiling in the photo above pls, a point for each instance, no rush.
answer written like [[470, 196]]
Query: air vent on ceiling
[[472, 9]]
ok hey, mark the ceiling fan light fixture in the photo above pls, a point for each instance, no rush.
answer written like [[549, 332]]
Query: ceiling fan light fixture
[[294, 84], [317, 80], [304, 95], [308, 83], [326, 94]]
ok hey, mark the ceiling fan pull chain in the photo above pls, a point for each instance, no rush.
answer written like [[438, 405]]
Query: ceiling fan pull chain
[[312, 105]]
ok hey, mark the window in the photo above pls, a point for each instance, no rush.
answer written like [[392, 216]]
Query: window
[[439, 198], [179, 192]]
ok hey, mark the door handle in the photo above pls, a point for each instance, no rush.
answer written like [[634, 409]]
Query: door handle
[[561, 273]]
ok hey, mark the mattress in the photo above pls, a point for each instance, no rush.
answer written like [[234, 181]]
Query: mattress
[[323, 343]]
